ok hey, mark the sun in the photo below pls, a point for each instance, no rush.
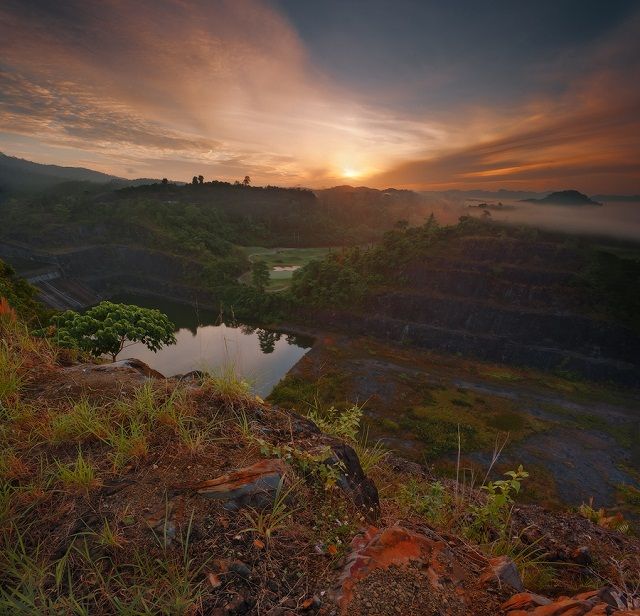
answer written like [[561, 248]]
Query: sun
[[350, 172]]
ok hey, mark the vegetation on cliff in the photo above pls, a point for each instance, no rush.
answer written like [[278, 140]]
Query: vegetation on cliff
[[20, 296], [605, 274]]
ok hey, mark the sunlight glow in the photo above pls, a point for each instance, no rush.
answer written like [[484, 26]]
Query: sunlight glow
[[348, 172]]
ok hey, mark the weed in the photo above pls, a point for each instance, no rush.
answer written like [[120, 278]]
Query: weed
[[341, 423], [430, 500], [265, 524], [109, 537], [128, 443], [493, 514], [321, 465], [226, 382], [600, 517]]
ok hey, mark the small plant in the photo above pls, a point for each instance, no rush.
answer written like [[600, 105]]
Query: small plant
[[341, 423], [315, 464], [244, 425], [80, 475], [431, 500], [600, 517], [228, 383], [493, 514], [129, 444], [109, 537], [265, 524]]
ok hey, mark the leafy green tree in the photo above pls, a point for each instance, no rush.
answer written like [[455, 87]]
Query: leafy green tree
[[260, 275], [108, 328], [247, 180]]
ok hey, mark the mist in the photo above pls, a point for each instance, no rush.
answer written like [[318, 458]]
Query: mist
[[620, 219]]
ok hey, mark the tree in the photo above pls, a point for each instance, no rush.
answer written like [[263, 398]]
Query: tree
[[201, 179], [108, 328], [195, 179], [247, 180], [165, 181], [260, 275]]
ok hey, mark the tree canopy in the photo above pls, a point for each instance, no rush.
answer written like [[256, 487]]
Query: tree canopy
[[108, 328], [260, 275]]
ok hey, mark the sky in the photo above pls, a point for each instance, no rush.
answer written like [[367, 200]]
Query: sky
[[417, 94]]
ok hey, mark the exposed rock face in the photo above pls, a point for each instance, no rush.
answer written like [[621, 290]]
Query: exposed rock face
[[132, 368], [499, 299]]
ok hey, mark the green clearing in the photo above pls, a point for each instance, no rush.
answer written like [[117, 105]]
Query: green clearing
[[293, 258]]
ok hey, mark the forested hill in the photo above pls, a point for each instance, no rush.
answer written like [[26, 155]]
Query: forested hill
[[23, 176]]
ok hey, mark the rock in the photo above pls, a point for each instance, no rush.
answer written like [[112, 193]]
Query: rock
[[240, 605], [354, 482], [254, 485], [413, 559], [503, 570], [194, 375], [581, 556], [240, 569], [135, 364], [525, 601], [591, 603]]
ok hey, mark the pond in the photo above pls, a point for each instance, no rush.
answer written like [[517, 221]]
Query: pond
[[259, 355]]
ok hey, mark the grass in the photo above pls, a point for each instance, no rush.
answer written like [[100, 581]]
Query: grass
[[228, 383], [282, 257], [11, 379], [80, 476], [370, 455], [82, 422]]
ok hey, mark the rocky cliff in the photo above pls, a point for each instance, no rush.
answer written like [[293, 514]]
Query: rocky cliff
[[502, 299]]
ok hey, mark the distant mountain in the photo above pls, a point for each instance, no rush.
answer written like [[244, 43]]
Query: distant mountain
[[20, 176], [565, 197]]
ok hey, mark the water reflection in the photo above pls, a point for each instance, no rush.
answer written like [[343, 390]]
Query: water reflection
[[260, 355]]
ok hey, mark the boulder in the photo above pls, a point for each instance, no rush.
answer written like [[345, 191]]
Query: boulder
[[503, 571], [354, 482]]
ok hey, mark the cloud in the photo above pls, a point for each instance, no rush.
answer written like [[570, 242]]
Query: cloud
[[587, 136], [201, 81], [227, 87]]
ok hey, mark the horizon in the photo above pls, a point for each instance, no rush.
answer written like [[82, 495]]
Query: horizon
[[419, 96]]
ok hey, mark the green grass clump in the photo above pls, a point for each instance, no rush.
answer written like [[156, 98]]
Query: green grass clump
[[81, 475], [228, 383], [84, 421]]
